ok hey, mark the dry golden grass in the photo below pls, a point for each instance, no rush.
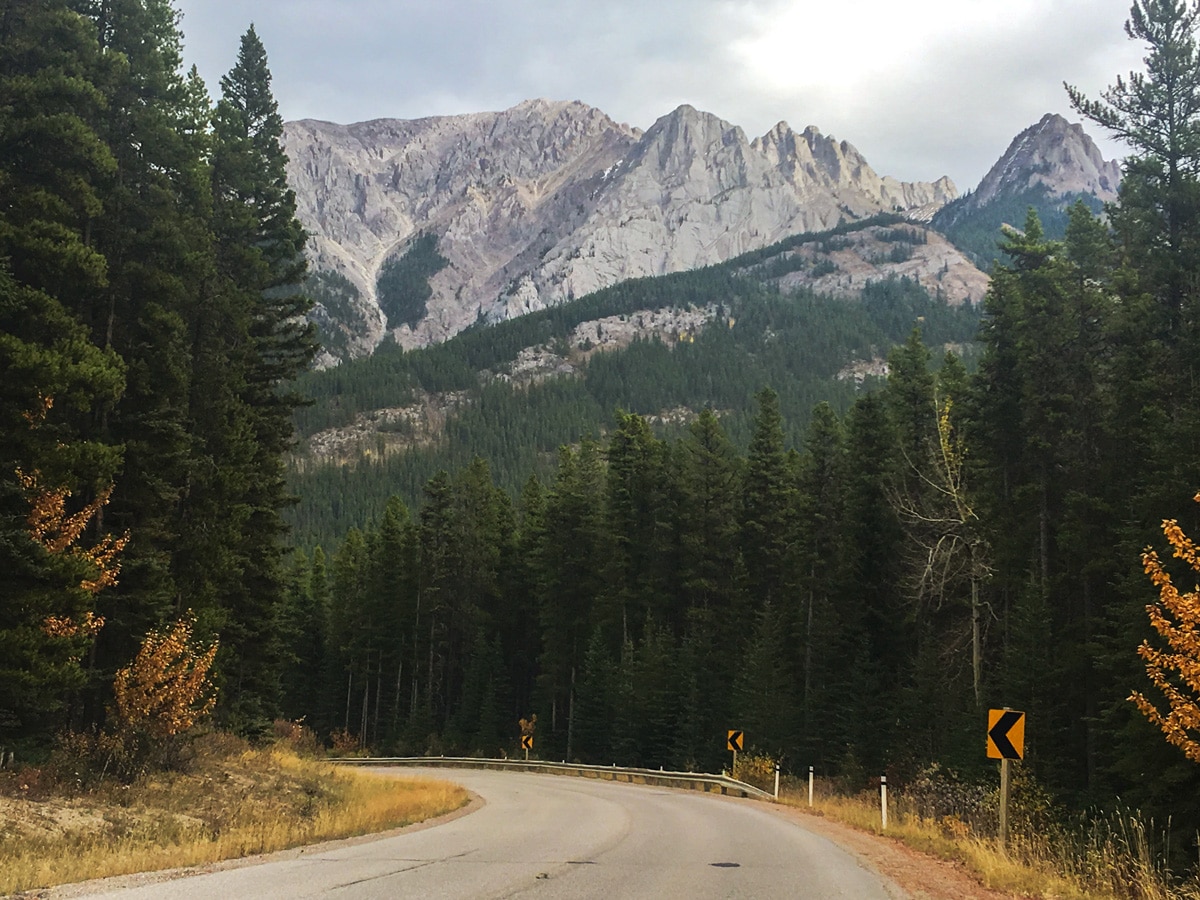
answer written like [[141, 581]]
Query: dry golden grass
[[234, 801], [1111, 862]]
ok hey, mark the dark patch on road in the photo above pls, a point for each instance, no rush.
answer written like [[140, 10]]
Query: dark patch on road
[[726, 865]]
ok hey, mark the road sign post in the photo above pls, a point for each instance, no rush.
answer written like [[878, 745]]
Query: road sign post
[[1005, 742], [1004, 803]]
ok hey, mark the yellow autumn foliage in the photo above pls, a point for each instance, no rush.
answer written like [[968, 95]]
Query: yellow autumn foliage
[[59, 532], [166, 689], [1174, 671]]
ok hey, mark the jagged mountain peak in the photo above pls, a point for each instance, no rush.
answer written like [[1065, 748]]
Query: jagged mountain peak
[[549, 200], [1057, 154], [1048, 167], [685, 121]]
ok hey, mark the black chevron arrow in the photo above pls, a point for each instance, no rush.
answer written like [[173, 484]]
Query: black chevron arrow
[[999, 734], [735, 741]]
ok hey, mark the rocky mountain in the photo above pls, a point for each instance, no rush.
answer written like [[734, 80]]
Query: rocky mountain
[[898, 269], [1047, 166], [1053, 153], [547, 201]]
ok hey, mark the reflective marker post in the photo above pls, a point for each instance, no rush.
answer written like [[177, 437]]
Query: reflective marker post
[[883, 798], [810, 785], [776, 781]]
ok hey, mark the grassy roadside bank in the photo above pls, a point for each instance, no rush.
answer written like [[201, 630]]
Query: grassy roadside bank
[[1110, 859], [228, 800]]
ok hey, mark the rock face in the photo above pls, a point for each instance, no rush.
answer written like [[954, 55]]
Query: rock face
[[1048, 168], [1056, 154], [548, 201], [843, 266]]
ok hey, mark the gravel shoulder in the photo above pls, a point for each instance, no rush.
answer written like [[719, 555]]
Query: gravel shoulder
[[924, 877]]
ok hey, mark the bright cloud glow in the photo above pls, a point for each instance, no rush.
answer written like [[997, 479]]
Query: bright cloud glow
[[922, 87]]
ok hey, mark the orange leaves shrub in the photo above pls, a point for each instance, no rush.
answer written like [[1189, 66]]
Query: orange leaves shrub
[[1174, 671], [166, 689], [344, 743], [297, 736]]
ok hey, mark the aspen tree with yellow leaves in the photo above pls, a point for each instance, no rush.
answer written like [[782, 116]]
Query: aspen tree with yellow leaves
[[1176, 670], [167, 687]]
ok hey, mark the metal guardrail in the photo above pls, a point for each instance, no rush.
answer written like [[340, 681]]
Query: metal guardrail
[[713, 784]]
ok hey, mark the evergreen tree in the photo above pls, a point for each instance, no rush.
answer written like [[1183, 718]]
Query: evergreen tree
[[708, 520], [636, 495], [1157, 113], [819, 511], [874, 633], [392, 590], [350, 634], [54, 166], [595, 696], [260, 259], [574, 559], [763, 689], [768, 539]]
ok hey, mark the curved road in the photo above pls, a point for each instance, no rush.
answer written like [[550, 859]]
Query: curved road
[[551, 837]]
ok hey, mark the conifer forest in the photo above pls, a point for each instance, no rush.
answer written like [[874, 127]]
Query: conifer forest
[[852, 573]]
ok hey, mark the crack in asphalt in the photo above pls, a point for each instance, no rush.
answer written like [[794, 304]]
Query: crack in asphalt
[[420, 864]]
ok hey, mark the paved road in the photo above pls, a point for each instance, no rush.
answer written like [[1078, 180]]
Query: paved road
[[549, 837]]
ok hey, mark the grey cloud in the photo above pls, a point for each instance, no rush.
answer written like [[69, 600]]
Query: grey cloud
[[950, 112]]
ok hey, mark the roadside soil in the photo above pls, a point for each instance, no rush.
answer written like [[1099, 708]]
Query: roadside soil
[[922, 876]]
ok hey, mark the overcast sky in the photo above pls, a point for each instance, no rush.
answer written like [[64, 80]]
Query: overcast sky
[[922, 88]]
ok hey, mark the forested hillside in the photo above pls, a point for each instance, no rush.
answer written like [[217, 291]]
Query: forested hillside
[[977, 231], [800, 343]]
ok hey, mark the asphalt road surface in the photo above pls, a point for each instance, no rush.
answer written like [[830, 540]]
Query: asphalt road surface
[[551, 837]]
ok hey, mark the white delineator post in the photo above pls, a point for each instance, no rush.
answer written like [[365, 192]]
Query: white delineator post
[[776, 781], [810, 785], [883, 798]]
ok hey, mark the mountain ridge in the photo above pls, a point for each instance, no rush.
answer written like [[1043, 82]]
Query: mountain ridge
[[550, 200]]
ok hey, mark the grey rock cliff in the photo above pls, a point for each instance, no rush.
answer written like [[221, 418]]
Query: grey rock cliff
[[1054, 153], [552, 200]]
